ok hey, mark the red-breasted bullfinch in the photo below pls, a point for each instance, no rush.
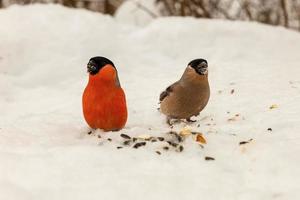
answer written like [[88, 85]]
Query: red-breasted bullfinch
[[103, 100], [188, 96]]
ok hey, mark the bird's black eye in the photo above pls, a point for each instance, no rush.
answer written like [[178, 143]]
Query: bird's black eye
[[92, 69]]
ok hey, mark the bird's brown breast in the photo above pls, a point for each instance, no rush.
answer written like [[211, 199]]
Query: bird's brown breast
[[188, 97]]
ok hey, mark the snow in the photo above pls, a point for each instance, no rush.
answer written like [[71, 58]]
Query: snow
[[46, 153], [137, 12]]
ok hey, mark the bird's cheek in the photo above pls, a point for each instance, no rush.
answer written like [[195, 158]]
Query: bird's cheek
[[108, 72]]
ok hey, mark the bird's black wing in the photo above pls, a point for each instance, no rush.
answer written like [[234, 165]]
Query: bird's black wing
[[167, 92]]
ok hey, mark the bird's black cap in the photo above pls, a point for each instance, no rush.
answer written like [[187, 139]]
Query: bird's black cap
[[199, 65], [196, 62], [96, 63]]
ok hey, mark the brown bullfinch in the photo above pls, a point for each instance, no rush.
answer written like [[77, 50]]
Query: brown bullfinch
[[103, 100], [188, 96]]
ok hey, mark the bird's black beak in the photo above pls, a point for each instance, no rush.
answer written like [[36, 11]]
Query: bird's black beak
[[202, 68], [91, 68]]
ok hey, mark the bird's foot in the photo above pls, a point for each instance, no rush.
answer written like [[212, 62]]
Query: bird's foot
[[190, 120], [171, 121]]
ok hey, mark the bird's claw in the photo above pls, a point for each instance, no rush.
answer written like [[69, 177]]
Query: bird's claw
[[171, 121], [190, 120]]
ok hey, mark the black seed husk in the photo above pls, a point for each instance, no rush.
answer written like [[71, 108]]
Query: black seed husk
[[139, 144], [245, 142], [173, 144], [166, 148], [209, 158], [125, 136], [179, 138], [127, 142], [181, 148]]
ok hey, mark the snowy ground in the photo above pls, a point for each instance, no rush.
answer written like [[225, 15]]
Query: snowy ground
[[45, 152]]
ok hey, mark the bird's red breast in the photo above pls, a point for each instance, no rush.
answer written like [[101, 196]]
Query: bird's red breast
[[104, 102]]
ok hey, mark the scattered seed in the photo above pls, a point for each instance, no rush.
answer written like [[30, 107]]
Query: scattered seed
[[172, 132], [160, 138], [200, 138], [144, 137], [198, 125], [153, 140], [270, 129], [99, 136], [166, 148], [202, 147], [173, 144], [245, 142], [209, 158], [158, 152], [232, 91], [179, 138], [90, 132], [109, 139], [137, 145], [119, 147], [185, 131], [127, 142], [125, 136], [194, 133], [181, 148]]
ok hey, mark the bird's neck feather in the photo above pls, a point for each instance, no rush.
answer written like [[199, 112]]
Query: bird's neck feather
[[191, 77], [106, 77]]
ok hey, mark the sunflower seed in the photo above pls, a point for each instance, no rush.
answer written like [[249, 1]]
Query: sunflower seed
[[181, 148], [173, 144], [125, 136], [166, 148], [137, 145], [209, 158], [127, 142], [245, 142]]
